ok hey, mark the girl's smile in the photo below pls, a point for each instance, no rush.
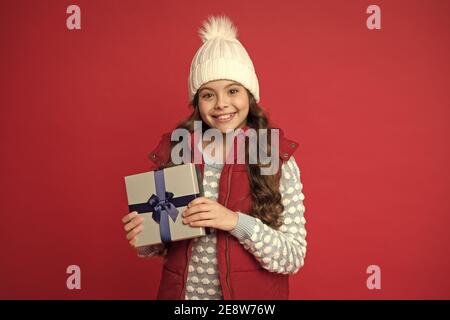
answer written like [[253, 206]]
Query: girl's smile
[[225, 117]]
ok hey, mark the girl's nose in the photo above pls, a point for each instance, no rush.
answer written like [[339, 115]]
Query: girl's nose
[[222, 102]]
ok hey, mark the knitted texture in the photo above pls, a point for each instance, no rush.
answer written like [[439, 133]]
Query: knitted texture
[[221, 56], [281, 251]]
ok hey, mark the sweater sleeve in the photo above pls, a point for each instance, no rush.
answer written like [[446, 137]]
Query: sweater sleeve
[[283, 250], [152, 250]]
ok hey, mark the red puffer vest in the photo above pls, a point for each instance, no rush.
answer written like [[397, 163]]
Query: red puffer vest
[[241, 275]]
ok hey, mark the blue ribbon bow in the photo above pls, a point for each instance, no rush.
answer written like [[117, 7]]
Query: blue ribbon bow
[[162, 210]]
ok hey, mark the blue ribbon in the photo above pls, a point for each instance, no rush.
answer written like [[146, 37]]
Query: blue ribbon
[[163, 205]]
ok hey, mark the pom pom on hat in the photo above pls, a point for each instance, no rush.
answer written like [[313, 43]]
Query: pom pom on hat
[[218, 27]]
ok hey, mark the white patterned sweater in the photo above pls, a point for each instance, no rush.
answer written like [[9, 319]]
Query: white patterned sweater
[[281, 251]]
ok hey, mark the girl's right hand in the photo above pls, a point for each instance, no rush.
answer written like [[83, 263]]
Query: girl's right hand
[[133, 226]]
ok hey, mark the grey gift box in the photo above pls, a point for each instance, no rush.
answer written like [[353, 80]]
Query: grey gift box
[[184, 181]]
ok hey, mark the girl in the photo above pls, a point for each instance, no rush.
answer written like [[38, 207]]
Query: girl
[[256, 226]]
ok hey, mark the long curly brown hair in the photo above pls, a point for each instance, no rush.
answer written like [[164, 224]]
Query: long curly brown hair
[[264, 189]]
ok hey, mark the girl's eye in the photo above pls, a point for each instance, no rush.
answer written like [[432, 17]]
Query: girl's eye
[[207, 95]]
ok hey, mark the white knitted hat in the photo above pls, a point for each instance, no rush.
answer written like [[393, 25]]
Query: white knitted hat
[[221, 56]]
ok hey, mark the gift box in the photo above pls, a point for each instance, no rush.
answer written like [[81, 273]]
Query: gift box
[[160, 197]]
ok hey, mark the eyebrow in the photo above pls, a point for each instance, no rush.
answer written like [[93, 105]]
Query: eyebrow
[[231, 84]]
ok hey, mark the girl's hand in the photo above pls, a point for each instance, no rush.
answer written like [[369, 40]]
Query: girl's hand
[[204, 212], [133, 226]]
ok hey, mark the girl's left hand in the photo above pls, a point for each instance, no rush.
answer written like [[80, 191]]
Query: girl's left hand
[[204, 212]]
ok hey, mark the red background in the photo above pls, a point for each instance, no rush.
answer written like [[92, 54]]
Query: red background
[[81, 109]]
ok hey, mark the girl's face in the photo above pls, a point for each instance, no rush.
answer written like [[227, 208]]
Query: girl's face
[[223, 104]]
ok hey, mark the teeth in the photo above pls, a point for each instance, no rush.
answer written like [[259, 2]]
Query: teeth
[[225, 117]]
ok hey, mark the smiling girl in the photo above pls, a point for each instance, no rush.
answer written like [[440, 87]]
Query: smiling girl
[[256, 222]]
